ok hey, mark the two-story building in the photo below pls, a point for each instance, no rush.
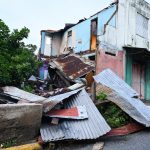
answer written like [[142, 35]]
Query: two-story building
[[120, 34]]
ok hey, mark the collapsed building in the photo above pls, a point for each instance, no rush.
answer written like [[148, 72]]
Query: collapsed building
[[116, 37], [120, 34], [70, 116]]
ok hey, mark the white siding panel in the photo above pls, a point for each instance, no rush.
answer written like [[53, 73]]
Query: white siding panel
[[111, 32], [142, 26]]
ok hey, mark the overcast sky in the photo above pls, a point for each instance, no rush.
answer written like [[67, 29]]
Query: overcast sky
[[46, 14]]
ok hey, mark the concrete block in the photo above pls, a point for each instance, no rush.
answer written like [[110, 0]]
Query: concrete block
[[19, 121]]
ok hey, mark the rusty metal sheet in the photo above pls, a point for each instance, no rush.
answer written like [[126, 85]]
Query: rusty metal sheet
[[72, 66]]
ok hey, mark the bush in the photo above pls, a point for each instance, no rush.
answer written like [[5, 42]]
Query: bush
[[101, 96], [114, 116], [17, 60]]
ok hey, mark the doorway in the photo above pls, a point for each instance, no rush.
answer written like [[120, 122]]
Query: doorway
[[138, 78], [93, 34]]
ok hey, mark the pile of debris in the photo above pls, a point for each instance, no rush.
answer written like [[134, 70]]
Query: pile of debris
[[66, 109], [68, 116], [65, 73]]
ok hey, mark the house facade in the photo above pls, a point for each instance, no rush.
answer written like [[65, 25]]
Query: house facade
[[120, 34]]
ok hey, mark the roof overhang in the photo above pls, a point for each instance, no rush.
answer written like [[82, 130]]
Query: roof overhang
[[139, 54]]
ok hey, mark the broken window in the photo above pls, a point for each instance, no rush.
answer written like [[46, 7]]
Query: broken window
[[109, 53], [142, 26]]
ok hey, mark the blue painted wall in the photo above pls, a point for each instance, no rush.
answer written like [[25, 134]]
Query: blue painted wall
[[113, 21], [82, 34], [104, 16], [82, 30]]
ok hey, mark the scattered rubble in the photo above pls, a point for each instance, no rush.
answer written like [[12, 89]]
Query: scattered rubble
[[91, 128], [60, 104]]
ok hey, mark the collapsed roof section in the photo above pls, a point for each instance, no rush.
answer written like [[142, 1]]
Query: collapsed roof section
[[19, 94], [51, 102], [124, 96], [91, 128], [85, 123], [26, 97], [72, 66], [111, 80]]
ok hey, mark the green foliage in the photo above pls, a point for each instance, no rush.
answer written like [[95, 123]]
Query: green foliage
[[101, 96], [28, 88], [17, 60], [114, 116], [8, 143]]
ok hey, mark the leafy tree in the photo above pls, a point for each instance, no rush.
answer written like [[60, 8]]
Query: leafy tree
[[17, 60]]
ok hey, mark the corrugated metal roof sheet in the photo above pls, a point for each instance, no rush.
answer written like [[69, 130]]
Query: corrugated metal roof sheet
[[50, 102], [91, 128], [111, 80], [135, 108], [21, 95], [72, 66], [122, 95]]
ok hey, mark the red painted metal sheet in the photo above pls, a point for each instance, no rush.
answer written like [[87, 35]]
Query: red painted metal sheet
[[127, 129], [78, 112], [72, 112]]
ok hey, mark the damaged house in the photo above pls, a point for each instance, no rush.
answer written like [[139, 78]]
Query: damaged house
[[120, 32]]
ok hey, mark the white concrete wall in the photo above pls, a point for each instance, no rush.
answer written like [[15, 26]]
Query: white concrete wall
[[56, 44], [124, 34], [132, 38]]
